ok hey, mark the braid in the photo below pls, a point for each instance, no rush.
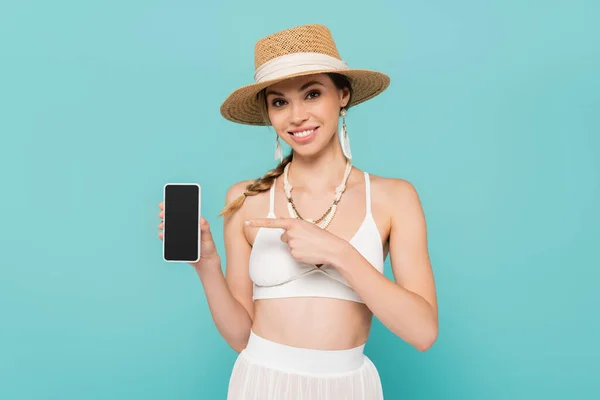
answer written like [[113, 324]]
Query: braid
[[260, 185]]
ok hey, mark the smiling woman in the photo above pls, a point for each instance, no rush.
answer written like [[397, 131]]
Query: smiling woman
[[291, 102], [304, 273]]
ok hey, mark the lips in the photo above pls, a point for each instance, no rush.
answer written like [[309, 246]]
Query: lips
[[305, 135]]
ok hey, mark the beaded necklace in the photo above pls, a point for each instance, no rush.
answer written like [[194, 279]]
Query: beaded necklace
[[324, 221]]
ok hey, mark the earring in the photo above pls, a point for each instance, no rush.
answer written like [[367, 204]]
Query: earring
[[278, 149], [344, 139]]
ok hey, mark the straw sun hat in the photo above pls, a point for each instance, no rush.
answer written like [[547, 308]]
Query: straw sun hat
[[302, 50]]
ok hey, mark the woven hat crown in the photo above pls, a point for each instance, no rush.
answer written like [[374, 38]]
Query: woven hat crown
[[302, 39]]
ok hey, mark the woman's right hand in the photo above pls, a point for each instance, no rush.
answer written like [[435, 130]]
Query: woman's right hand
[[208, 249]]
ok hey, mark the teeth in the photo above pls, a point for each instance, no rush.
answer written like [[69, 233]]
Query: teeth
[[303, 133]]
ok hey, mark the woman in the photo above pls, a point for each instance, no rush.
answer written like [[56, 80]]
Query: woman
[[306, 243]]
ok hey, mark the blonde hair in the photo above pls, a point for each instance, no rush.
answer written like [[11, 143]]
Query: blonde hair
[[265, 182], [261, 184]]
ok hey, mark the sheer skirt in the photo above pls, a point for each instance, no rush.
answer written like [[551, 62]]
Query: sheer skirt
[[267, 370]]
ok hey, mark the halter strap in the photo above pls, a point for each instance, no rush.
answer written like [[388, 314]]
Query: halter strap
[[272, 198], [368, 192]]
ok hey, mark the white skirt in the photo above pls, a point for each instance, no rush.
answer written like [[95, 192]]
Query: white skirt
[[267, 370]]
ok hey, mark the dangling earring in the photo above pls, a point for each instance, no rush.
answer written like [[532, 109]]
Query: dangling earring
[[278, 149], [344, 139]]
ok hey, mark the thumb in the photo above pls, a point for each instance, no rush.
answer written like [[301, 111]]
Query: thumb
[[208, 247], [206, 234]]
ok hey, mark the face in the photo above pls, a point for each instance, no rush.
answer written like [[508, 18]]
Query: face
[[304, 111]]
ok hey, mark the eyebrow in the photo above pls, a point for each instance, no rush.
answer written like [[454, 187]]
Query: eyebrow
[[303, 87]]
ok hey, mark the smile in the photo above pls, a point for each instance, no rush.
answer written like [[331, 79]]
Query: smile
[[305, 135]]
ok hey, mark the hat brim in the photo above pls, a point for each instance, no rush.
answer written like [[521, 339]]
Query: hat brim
[[242, 106]]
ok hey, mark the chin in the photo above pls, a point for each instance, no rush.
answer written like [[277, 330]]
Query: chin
[[304, 152]]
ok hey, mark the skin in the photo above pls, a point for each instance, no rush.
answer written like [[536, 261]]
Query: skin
[[407, 305]]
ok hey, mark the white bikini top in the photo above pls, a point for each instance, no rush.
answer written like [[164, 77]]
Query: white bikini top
[[275, 274]]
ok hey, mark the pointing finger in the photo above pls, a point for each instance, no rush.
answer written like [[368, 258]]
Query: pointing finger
[[283, 223]]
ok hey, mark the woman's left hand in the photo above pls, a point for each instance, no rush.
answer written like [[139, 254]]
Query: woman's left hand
[[307, 242]]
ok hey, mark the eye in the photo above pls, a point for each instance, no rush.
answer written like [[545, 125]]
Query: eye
[[313, 94], [278, 103]]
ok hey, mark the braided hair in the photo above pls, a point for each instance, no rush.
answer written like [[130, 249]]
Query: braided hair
[[261, 184]]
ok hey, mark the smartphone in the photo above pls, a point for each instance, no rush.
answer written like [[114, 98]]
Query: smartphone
[[181, 229]]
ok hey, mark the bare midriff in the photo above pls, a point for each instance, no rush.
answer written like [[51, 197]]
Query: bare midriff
[[311, 322]]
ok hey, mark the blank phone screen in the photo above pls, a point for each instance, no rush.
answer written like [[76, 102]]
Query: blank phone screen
[[181, 236]]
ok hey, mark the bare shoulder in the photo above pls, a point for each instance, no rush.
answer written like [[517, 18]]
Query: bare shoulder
[[394, 193], [251, 204], [236, 190]]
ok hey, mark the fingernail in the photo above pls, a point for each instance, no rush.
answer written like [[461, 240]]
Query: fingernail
[[247, 223]]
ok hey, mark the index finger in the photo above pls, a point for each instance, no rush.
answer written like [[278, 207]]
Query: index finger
[[269, 223]]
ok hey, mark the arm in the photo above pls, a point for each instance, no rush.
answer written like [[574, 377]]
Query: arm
[[408, 307], [230, 298]]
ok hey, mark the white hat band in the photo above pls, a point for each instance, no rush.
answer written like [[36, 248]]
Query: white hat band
[[296, 63]]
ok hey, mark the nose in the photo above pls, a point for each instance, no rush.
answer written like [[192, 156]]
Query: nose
[[299, 113]]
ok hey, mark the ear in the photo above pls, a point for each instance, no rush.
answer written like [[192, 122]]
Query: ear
[[344, 97]]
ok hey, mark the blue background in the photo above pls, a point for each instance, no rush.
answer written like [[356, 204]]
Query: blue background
[[492, 114]]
